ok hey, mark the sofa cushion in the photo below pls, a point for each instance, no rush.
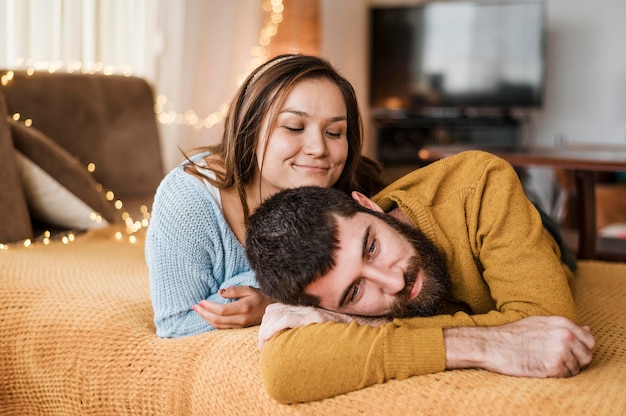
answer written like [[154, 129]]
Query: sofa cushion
[[59, 190], [15, 224], [105, 119]]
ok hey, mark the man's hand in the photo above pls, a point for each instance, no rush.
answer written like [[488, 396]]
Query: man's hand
[[246, 311], [279, 316], [537, 346]]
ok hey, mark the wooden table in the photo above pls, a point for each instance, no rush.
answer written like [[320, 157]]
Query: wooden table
[[583, 161]]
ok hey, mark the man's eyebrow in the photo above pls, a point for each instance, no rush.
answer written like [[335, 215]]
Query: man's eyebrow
[[364, 249]]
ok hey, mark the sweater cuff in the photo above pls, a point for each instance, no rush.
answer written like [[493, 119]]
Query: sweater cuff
[[411, 352]]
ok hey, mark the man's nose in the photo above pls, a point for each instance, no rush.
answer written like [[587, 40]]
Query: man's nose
[[389, 280]]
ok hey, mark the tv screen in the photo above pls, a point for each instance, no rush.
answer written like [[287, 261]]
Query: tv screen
[[457, 54]]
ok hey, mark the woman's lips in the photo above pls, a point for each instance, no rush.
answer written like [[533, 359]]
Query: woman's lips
[[312, 169]]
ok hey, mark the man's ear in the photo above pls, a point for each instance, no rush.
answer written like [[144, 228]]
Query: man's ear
[[365, 201]]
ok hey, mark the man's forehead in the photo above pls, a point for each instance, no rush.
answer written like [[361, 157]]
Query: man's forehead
[[353, 235]]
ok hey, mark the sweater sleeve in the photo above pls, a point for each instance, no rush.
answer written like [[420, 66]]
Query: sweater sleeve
[[297, 369], [191, 254], [318, 361]]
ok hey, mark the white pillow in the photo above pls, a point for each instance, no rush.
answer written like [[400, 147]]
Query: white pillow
[[52, 203]]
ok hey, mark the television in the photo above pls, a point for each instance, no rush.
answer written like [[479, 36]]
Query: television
[[460, 55]]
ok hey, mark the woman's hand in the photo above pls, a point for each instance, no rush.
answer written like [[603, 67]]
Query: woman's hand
[[246, 311]]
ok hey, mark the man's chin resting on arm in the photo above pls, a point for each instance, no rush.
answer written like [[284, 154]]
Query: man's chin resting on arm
[[452, 262]]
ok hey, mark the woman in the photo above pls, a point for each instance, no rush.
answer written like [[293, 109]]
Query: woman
[[294, 122]]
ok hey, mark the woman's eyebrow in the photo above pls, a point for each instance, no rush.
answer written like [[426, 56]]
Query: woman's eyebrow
[[305, 114]]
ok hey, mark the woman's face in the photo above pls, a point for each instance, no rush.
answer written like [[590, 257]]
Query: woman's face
[[308, 143]]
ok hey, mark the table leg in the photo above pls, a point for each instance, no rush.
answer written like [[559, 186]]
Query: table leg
[[585, 188]]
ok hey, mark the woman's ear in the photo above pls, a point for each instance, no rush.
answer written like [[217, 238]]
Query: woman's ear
[[365, 201]]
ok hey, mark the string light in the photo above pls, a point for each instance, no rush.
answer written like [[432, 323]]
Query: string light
[[165, 114], [259, 54], [163, 108], [132, 226]]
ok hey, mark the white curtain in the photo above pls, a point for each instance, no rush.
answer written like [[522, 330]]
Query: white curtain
[[109, 35], [193, 52], [206, 51]]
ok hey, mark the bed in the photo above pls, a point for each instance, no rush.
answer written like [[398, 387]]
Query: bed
[[76, 325]]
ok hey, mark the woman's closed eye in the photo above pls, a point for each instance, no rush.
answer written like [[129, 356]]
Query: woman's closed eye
[[333, 134], [294, 129]]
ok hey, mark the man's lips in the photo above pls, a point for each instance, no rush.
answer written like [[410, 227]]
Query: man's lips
[[417, 285]]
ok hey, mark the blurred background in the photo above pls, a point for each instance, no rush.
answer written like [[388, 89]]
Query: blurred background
[[195, 52]]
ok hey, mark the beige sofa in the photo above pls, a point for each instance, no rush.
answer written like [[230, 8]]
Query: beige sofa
[[76, 329]]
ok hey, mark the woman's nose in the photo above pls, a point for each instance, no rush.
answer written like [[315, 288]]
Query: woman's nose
[[314, 144]]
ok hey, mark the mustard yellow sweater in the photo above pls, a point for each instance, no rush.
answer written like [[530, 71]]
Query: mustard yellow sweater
[[503, 264]]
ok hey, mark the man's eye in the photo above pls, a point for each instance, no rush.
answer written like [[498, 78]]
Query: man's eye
[[371, 251], [353, 293]]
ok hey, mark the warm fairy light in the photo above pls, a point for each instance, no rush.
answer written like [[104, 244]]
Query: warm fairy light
[[6, 78], [259, 54], [46, 238], [162, 108], [27, 122]]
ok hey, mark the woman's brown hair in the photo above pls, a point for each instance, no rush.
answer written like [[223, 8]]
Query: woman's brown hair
[[262, 93]]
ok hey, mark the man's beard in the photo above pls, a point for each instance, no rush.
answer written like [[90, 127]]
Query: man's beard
[[436, 279]]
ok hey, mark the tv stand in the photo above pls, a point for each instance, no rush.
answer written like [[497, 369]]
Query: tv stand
[[399, 139]]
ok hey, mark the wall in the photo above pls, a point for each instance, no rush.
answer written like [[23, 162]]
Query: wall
[[344, 41], [585, 99]]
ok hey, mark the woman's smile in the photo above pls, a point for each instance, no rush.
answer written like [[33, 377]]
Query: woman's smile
[[312, 168]]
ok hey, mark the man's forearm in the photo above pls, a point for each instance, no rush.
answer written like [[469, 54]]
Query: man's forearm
[[532, 347]]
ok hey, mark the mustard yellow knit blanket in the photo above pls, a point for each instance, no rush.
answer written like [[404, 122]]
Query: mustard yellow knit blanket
[[77, 338]]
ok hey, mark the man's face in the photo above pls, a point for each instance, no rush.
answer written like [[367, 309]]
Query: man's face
[[383, 268]]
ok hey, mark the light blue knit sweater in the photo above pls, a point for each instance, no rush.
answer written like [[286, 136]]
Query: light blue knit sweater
[[191, 253]]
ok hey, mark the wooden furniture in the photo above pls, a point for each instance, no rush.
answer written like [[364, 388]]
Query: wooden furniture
[[584, 162]]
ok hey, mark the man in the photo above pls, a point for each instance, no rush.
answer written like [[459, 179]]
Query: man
[[459, 241]]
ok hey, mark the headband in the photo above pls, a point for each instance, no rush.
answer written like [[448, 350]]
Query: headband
[[267, 66]]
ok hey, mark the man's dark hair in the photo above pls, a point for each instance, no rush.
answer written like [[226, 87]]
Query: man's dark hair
[[292, 239]]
